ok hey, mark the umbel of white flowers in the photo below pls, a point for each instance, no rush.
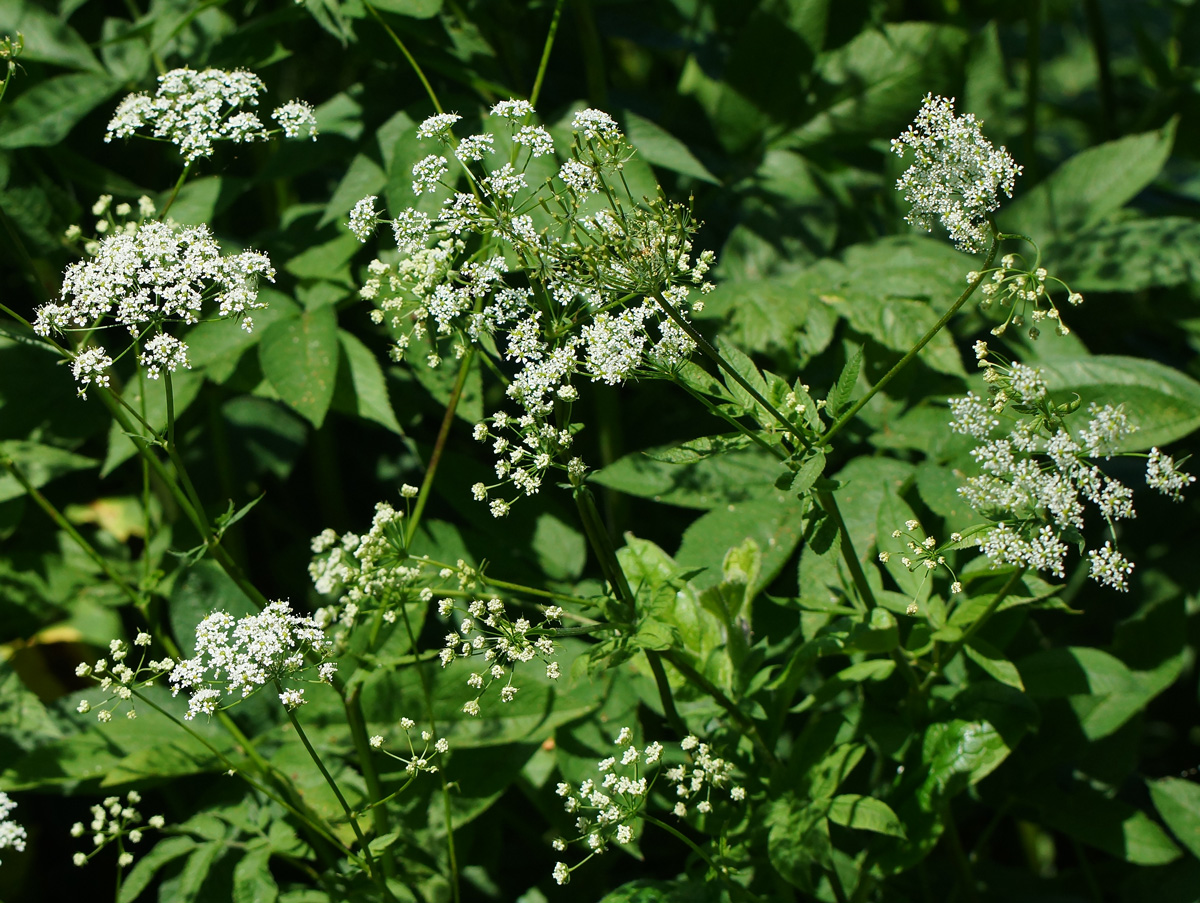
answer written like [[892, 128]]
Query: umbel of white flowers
[[562, 277], [194, 109], [145, 278], [237, 656], [956, 174], [1034, 482]]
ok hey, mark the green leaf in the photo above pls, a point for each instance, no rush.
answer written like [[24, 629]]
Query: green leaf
[[1130, 255], [959, 753], [864, 813], [763, 314], [873, 669], [39, 464], [774, 521], [48, 39], [839, 396], [658, 147], [216, 346], [1089, 186], [992, 661], [415, 9], [203, 589], [299, 358], [798, 840], [371, 400], [1161, 402], [44, 114], [252, 878], [1110, 825], [186, 887], [719, 477], [873, 83], [1102, 690], [1178, 802], [363, 177], [145, 867]]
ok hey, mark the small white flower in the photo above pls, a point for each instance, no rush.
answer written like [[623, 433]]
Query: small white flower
[[364, 218], [437, 126]]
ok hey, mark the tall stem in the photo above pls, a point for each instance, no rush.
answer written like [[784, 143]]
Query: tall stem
[[439, 445], [447, 809], [372, 867], [416, 67], [545, 61], [937, 327], [175, 191]]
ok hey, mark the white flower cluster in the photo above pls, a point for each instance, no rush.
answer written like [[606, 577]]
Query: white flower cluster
[[557, 289], [486, 630], [142, 280], [416, 761], [366, 571], [114, 821], [956, 174], [193, 109], [924, 554], [1017, 288], [1034, 481], [118, 679], [11, 834], [1162, 475], [525, 448], [705, 773], [237, 656], [605, 810]]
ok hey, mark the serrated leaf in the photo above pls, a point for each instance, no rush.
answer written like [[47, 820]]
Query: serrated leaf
[[363, 177], [44, 114], [48, 39], [414, 9], [1089, 186], [299, 357], [839, 396], [1161, 402], [145, 867], [658, 147], [864, 813], [716, 478], [370, 386]]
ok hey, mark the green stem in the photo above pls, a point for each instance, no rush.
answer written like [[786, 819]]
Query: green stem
[[265, 791], [439, 446], [371, 867], [866, 597], [721, 872], [937, 327], [715, 356], [380, 818], [67, 527], [447, 809], [753, 435], [545, 61], [114, 405], [707, 686], [664, 692], [868, 602], [173, 453], [954, 648], [175, 191], [602, 547], [408, 56]]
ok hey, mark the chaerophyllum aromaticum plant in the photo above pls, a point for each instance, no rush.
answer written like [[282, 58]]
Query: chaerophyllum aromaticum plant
[[806, 743]]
